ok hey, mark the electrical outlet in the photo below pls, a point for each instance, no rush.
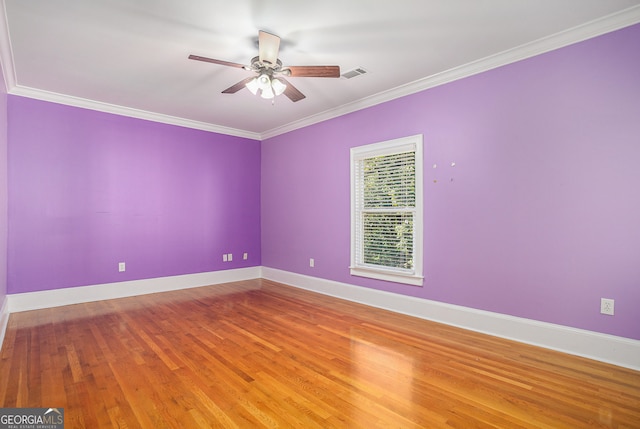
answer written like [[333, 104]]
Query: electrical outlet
[[606, 306], [121, 267], [224, 257], [245, 256], [230, 257], [312, 262]]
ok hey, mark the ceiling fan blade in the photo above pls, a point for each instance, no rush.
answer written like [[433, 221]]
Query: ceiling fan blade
[[268, 47], [238, 86], [313, 71], [291, 91], [211, 60]]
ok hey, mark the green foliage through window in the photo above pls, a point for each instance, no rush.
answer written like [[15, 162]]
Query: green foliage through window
[[388, 203]]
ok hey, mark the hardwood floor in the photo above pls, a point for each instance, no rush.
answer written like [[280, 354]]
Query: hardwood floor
[[260, 354]]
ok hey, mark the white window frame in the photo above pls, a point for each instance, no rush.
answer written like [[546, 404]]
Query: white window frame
[[358, 268]]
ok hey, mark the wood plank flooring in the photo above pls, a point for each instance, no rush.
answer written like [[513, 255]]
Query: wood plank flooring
[[258, 354]]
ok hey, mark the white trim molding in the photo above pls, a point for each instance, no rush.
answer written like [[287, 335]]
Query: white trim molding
[[360, 155], [598, 27], [606, 24], [611, 349], [130, 112], [77, 295], [4, 319]]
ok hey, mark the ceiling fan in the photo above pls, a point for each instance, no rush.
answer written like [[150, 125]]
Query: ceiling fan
[[270, 80]]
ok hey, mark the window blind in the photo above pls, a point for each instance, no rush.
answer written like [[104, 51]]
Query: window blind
[[385, 203]]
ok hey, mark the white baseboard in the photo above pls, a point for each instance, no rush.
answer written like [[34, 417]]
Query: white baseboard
[[4, 320], [76, 295], [593, 345], [611, 349]]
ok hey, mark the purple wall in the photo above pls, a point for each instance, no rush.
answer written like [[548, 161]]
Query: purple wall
[[3, 191], [88, 190], [539, 218]]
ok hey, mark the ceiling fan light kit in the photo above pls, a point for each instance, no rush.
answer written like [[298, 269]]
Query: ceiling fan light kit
[[268, 86], [268, 67], [278, 86]]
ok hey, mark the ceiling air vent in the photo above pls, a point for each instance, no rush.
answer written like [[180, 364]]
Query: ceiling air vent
[[353, 73]]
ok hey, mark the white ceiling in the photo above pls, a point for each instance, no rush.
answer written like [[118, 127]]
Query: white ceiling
[[130, 56]]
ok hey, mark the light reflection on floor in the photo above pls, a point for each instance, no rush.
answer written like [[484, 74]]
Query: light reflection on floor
[[382, 370]]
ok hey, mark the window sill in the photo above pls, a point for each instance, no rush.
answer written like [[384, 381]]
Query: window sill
[[387, 275]]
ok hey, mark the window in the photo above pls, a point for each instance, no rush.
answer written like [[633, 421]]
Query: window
[[386, 210]]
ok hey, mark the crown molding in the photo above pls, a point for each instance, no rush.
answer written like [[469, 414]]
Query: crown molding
[[84, 103], [567, 37], [6, 53], [12, 87], [128, 111]]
